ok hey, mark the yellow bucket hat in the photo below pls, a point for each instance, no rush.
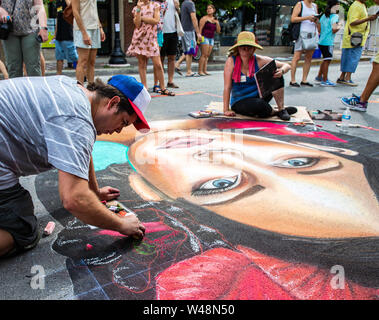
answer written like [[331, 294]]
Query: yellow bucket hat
[[246, 38]]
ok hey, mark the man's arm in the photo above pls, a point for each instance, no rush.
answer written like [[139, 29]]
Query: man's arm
[[106, 193], [195, 24], [83, 203]]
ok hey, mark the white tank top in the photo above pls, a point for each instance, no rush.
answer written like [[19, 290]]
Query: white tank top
[[169, 23], [89, 15], [308, 26]]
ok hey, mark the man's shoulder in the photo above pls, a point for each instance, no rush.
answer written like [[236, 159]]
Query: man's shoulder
[[188, 4]]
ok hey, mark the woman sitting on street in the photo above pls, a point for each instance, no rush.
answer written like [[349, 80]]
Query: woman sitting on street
[[240, 87]]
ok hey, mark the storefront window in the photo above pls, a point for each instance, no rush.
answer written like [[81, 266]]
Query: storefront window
[[282, 21], [263, 26]]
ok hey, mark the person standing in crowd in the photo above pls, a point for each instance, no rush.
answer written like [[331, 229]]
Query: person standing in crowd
[[359, 103], [144, 42], [329, 26], [88, 35], [64, 39], [191, 31], [22, 46], [162, 13], [304, 13], [208, 26], [357, 22], [170, 40]]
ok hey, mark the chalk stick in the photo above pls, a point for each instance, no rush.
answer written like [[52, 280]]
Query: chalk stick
[[49, 228]]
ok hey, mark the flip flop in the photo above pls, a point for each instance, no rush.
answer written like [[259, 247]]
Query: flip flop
[[172, 85], [193, 75], [177, 70], [167, 92]]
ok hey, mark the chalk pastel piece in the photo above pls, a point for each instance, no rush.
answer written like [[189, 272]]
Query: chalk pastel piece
[[124, 213], [49, 228], [127, 210], [113, 208], [89, 246]]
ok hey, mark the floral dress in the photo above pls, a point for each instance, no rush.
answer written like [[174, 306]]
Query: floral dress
[[144, 41]]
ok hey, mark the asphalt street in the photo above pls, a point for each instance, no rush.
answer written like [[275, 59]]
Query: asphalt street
[[196, 93]]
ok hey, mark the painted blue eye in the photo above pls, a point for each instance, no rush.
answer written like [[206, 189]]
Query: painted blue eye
[[217, 185], [222, 183], [297, 162]]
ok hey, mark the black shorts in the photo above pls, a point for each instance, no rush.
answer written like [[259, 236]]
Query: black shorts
[[17, 216], [327, 52], [170, 43]]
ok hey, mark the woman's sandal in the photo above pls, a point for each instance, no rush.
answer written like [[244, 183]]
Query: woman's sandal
[[167, 92], [157, 89]]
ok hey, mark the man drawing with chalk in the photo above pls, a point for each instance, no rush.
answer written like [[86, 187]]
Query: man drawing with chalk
[[52, 122]]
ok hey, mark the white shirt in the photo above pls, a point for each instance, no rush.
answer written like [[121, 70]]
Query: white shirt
[[308, 26], [169, 23]]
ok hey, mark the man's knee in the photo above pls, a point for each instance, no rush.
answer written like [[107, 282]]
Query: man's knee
[[6, 243]]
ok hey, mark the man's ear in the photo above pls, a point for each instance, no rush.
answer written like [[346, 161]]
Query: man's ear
[[113, 102], [140, 186]]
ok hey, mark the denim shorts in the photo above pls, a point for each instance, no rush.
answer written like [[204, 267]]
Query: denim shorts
[[65, 50], [17, 216], [350, 58], [208, 41]]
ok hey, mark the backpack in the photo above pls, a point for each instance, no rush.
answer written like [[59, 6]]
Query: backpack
[[294, 28]]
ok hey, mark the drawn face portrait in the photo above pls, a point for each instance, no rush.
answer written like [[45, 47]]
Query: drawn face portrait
[[270, 204], [265, 183]]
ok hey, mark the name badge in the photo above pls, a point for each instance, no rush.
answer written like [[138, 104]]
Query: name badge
[[243, 78]]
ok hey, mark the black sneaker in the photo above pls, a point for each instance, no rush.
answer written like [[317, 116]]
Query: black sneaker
[[294, 84], [306, 84], [291, 110], [283, 114]]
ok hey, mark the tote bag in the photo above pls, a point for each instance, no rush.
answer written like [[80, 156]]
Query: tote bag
[[179, 27]]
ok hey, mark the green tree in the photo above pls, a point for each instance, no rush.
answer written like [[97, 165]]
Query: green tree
[[228, 5]]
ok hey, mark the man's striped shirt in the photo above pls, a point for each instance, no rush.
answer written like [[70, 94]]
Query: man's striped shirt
[[45, 123]]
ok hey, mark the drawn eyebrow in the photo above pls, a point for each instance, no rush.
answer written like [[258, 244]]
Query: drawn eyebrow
[[249, 192], [319, 171]]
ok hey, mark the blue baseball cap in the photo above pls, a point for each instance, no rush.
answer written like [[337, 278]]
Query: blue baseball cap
[[137, 95]]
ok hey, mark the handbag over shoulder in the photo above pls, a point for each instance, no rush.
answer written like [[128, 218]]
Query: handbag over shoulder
[[357, 37], [68, 14], [294, 28]]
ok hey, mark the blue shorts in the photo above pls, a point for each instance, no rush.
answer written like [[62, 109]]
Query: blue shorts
[[65, 50], [208, 41], [350, 59]]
